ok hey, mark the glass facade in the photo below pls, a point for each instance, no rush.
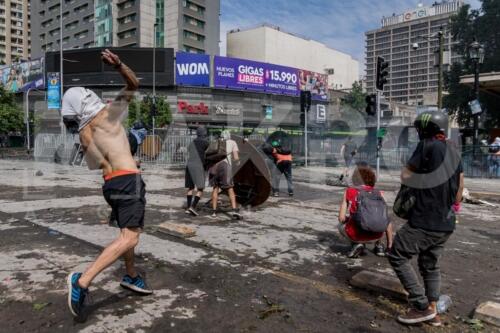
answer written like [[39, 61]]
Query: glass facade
[[103, 26], [160, 20]]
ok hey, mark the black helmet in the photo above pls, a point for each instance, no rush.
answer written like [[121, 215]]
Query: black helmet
[[430, 123]]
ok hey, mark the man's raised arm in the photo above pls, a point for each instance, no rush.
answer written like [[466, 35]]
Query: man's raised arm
[[119, 105]]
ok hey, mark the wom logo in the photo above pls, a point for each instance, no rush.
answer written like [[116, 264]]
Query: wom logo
[[193, 69]]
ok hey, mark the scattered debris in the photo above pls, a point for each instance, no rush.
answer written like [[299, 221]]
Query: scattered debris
[[468, 198], [489, 312], [39, 173], [40, 306], [378, 282], [176, 230], [272, 308]]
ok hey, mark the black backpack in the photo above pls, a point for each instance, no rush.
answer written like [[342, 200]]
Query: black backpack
[[371, 214], [216, 152]]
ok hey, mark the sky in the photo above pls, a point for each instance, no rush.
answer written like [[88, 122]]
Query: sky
[[339, 24]]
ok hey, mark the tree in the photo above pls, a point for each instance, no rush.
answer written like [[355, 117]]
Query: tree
[[355, 98], [11, 115], [141, 110], [467, 26]]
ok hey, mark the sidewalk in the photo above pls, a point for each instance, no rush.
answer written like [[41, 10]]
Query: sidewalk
[[390, 180]]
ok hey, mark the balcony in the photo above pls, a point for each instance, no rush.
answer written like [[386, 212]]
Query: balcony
[[193, 28], [199, 2], [194, 43], [127, 41], [193, 13], [127, 26], [127, 11]]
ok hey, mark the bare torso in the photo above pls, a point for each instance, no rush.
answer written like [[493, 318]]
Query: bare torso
[[106, 144]]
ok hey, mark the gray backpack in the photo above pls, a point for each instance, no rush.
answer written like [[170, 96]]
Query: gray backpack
[[371, 214]]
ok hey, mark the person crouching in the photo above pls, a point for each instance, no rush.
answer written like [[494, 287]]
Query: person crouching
[[363, 214]]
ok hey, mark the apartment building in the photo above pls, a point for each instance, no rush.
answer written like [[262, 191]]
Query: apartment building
[[14, 30], [185, 25], [413, 70]]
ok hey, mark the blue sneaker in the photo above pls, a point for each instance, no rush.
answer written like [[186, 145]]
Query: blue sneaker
[[76, 295], [136, 284]]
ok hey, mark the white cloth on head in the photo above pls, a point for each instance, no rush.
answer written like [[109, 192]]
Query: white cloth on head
[[82, 103]]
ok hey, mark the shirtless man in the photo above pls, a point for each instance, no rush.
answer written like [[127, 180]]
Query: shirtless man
[[106, 147]]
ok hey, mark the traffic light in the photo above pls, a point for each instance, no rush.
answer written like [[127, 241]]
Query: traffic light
[[305, 101], [382, 72], [305, 105], [371, 104]]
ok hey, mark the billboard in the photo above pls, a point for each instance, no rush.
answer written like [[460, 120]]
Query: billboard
[[53, 91], [20, 77], [314, 82], [192, 69], [241, 74]]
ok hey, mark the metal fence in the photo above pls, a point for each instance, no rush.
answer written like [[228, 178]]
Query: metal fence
[[171, 151]]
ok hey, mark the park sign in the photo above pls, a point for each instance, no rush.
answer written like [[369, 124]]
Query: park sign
[[192, 69]]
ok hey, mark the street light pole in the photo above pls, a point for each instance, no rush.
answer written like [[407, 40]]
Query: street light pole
[[440, 69], [476, 54], [154, 76], [63, 128]]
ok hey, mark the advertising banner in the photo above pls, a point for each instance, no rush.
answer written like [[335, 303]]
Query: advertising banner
[[314, 82], [53, 91], [192, 69], [20, 77], [241, 74]]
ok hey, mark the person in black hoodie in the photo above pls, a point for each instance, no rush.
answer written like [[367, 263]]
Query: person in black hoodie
[[435, 175], [195, 170]]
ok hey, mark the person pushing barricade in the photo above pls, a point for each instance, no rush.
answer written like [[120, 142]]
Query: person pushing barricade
[[283, 159], [220, 155], [195, 170]]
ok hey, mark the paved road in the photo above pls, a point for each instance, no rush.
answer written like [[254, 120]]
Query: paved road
[[282, 269]]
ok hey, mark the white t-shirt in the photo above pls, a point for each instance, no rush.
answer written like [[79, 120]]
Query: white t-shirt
[[231, 146]]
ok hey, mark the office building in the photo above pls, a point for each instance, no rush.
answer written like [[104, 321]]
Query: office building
[[413, 70], [185, 25], [14, 30], [271, 44]]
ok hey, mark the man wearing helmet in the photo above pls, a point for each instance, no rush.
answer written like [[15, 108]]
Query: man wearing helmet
[[435, 175], [106, 147]]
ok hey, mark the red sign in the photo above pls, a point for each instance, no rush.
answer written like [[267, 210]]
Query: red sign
[[185, 107]]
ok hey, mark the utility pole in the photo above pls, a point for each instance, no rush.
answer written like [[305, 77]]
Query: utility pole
[[440, 70], [154, 78], [61, 80], [379, 141]]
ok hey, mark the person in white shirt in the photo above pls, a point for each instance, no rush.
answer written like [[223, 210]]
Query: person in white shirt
[[221, 176]]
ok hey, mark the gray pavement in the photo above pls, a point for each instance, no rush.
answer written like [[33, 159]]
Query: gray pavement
[[281, 269]]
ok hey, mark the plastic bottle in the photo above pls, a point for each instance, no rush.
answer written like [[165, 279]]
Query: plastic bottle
[[443, 304]]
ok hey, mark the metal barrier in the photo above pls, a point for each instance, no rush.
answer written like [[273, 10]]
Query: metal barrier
[[173, 151], [47, 144]]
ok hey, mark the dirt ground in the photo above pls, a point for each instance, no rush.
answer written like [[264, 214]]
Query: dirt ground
[[281, 269]]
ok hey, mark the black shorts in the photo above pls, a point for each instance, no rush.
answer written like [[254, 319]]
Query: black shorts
[[127, 197], [195, 177], [220, 175]]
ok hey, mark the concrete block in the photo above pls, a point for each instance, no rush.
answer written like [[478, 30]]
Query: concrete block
[[176, 230], [378, 282], [488, 312]]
